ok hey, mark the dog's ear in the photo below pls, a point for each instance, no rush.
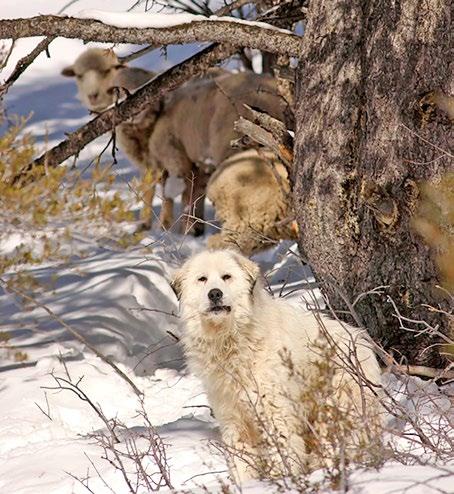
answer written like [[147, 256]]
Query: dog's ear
[[249, 267], [175, 283]]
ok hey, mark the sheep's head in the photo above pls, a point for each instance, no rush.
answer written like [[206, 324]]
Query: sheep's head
[[95, 71]]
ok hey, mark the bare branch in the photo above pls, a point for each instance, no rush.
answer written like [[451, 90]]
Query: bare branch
[[420, 370], [46, 413], [273, 125], [226, 30], [137, 54], [221, 12], [9, 51], [65, 384], [23, 63], [236, 4]]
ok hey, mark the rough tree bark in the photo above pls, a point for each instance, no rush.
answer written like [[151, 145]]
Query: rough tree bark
[[366, 134]]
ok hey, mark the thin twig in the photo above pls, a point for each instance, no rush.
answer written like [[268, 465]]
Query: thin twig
[[204, 474], [24, 62], [438, 148], [74, 388], [147, 309], [221, 12], [47, 414], [8, 55]]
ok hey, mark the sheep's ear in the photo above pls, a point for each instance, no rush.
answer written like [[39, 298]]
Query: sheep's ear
[[68, 71], [175, 283]]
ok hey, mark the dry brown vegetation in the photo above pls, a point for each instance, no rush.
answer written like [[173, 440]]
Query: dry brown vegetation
[[52, 204], [434, 220]]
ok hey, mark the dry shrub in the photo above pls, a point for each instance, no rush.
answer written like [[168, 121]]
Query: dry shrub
[[138, 454], [48, 204], [434, 221], [338, 437], [9, 350], [341, 440]]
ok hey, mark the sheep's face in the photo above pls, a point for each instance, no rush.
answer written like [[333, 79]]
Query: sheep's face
[[95, 72]]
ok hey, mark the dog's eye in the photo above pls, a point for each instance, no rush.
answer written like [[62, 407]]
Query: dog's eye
[[226, 277], [202, 279]]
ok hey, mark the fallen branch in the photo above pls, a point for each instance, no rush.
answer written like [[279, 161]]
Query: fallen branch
[[75, 333], [420, 370], [220, 30]]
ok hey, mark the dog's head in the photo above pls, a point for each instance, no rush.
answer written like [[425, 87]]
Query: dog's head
[[216, 285]]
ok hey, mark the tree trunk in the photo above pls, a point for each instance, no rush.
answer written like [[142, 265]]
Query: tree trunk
[[367, 134]]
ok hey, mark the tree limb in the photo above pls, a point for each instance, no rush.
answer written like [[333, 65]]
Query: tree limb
[[146, 95], [277, 128], [229, 31]]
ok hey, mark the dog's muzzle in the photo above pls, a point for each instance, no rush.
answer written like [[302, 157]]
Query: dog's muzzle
[[215, 296]]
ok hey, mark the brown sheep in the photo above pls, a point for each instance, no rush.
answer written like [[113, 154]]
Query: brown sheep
[[189, 133], [251, 194]]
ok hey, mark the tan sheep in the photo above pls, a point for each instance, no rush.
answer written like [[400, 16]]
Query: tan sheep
[[98, 72], [251, 194], [188, 134]]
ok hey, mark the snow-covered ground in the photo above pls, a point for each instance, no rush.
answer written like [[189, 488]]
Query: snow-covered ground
[[121, 302]]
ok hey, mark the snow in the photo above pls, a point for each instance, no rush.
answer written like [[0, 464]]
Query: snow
[[121, 302], [46, 448], [164, 20]]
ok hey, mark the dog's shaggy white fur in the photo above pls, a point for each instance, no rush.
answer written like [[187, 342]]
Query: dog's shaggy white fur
[[254, 354]]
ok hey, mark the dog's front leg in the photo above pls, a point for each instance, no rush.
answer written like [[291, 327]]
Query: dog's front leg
[[242, 455], [242, 459]]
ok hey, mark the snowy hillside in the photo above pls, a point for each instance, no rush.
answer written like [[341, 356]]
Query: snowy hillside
[[120, 301]]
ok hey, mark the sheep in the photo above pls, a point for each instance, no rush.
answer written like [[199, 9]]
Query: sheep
[[98, 72], [251, 195], [188, 134]]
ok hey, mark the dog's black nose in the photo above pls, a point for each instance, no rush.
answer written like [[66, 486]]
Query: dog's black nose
[[215, 294]]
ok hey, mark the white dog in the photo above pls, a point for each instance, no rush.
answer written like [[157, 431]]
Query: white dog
[[256, 356]]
